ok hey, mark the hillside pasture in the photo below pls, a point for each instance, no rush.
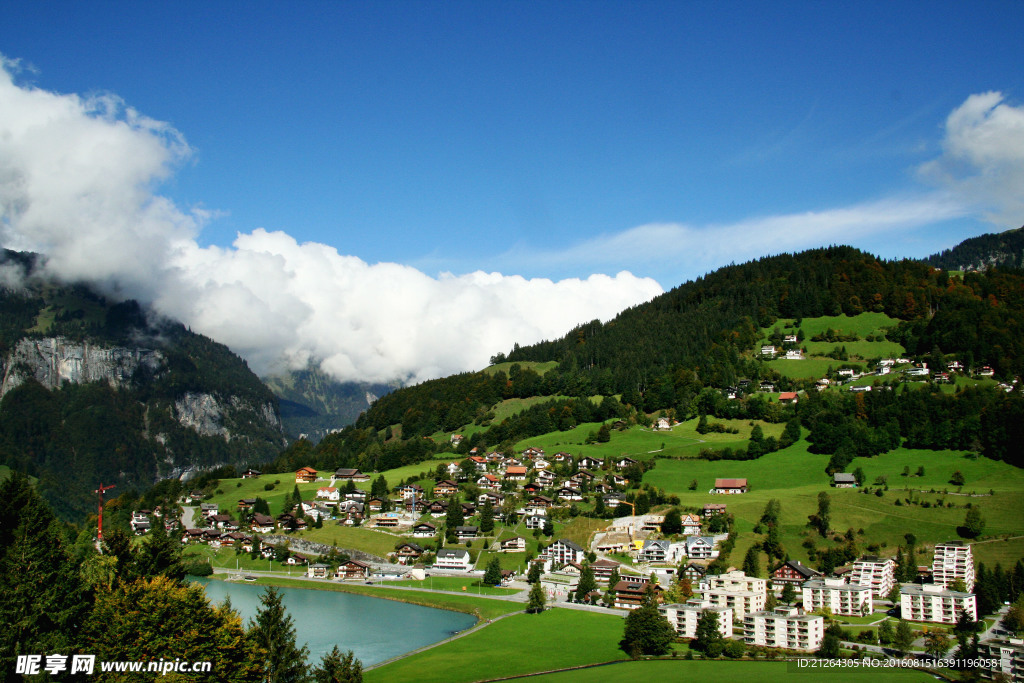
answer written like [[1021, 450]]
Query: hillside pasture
[[796, 477]]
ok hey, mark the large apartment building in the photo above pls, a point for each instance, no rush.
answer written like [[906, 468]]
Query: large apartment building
[[784, 627], [842, 598], [737, 591], [953, 560], [1007, 655], [684, 617], [933, 602], [877, 573]]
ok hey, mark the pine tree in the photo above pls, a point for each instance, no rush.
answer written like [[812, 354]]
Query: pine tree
[[904, 635], [273, 631], [533, 576], [492, 576], [788, 593], [587, 583], [647, 631], [536, 602], [487, 516], [338, 668], [885, 632], [751, 562], [706, 632], [44, 600], [160, 555], [673, 523]]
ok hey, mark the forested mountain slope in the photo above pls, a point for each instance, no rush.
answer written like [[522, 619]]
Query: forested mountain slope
[[978, 253], [95, 390]]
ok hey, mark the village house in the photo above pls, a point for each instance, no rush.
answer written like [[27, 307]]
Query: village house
[[305, 474], [246, 503], [684, 617], [350, 474], [353, 570], [453, 558], [535, 522], [250, 473], [794, 354], [590, 463], [465, 533], [662, 425], [568, 493], [541, 502], [375, 504], [424, 530], [479, 461], [417, 505], [317, 571], [328, 493], [701, 547], [515, 473], [540, 464], [545, 478], [139, 523], [564, 551], [793, 572], [630, 594], [496, 498], [654, 551], [516, 544], [602, 569], [296, 559], [408, 552], [768, 350], [562, 458], [488, 481], [446, 488], [409, 491], [532, 452], [788, 397], [694, 572], [208, 510], [714, 509], [691, 525], [784, 627], [262, 524], [583, 477], [730, 486]]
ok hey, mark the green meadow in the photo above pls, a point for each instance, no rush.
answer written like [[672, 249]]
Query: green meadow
[[723, 671], [517, 645]]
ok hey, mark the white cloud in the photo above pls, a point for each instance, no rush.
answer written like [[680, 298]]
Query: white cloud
[[982, 162], [693, 250], [78, 179]]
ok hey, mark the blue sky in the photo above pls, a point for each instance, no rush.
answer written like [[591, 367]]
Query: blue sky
[[560, 140]]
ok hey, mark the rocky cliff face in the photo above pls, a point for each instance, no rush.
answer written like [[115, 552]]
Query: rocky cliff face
[[55, 360], [52, 361]]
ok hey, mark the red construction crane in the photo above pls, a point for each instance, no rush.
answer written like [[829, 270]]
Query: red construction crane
[[99, 534]]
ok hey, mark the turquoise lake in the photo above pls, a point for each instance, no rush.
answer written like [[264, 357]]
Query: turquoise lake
[[373, 628]]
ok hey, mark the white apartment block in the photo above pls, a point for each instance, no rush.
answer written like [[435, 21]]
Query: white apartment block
[[953, 560], [1008, 654], [737, 591], [932, 602], [877, 573], [839, 597], [784, 627], [684, 617]]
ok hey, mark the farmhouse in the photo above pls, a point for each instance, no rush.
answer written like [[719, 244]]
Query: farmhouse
[[305, 474], [730, 486], [844, 480]]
